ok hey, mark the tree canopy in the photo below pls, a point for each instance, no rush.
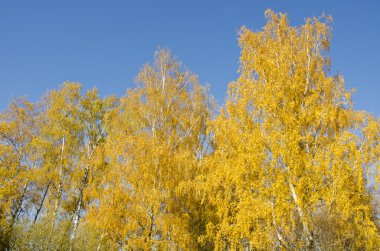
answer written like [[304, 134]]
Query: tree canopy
[[286, 163]]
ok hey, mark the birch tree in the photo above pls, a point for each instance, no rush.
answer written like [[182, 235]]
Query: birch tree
[[288, 168], [155, 143], [17, 129]]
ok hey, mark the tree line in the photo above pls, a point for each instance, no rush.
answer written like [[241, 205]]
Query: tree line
[[285, 164]]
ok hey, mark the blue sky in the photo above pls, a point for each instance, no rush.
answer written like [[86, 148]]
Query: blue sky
[[105, 43]]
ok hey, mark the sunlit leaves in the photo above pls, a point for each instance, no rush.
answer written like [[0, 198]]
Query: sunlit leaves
[[286, 164], [286, 147]]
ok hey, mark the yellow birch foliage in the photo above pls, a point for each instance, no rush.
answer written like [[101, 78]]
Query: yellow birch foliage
[[287, 164], [154, 144], [17, 129], [288, 167]]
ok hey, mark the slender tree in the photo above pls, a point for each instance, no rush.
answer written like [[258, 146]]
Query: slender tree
[[17, 126]]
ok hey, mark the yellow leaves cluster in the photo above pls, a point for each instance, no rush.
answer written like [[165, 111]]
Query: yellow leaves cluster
[[285, 148]]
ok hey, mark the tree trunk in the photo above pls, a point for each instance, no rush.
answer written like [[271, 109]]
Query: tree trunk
[[308, 236], [79, 203], [59, 194], [98, 248], [78, 208], [42, 203], [17, 211]]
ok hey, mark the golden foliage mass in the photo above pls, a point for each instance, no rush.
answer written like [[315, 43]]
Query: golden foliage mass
[[287, 163]]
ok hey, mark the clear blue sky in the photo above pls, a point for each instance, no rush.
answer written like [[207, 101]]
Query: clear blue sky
[[104, 43]]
